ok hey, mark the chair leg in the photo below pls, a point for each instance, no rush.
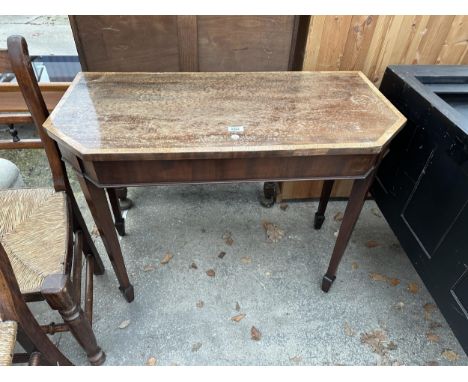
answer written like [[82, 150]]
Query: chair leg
[[89, 286], [324, 198], [58, 292], [33, 340], [77, 265], [119, 221], [36, 359]]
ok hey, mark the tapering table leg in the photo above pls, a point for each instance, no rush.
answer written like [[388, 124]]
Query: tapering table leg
[[353, 209], [324, 198], [97, 202]]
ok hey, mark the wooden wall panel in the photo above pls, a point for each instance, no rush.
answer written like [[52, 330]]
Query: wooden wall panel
[[455, 47], [127, 43], [332, 42], [190, 43], [358, 41], [244, 43], [433, 40], [370, 44]]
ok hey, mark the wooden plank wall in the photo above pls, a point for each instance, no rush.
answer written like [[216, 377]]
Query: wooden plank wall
[[370, 44]]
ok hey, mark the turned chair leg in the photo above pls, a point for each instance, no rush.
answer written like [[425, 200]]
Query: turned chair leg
[[33, 339], [89, 286], [117, 211], [36, 359], [324, 198], [58, 292]]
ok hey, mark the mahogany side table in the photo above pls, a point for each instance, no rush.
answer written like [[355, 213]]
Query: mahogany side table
[[137, 129]]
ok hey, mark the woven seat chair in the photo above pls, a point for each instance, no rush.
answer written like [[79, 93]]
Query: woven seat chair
[[18, 323], [44, 234]]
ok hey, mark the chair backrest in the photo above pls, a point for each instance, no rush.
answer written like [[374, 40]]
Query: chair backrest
[[14, 308], [21, 65]]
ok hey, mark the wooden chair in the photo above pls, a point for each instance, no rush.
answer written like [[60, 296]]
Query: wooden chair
[[17, 322], [44, 234]]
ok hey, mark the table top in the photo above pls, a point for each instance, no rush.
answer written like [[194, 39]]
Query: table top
[[120, 116]]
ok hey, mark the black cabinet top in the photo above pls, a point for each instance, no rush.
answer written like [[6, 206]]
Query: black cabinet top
[[443, 87]]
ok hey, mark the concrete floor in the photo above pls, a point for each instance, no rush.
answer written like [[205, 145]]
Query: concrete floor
[[378, 311], [44, 34]]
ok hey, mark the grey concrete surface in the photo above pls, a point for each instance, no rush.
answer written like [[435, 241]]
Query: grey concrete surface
[[44, 34], [378, 312]]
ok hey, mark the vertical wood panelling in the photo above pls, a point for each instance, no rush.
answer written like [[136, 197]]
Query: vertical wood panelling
[[410, 35], [456, 43], [433, 40], [187, 33], [381, 30], [333, 42], [419, 29], [385, 48], [370, 44], [358, 42], [313, 42], [464, 60]]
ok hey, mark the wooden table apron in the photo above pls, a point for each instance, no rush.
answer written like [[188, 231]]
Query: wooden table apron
[[343, 138]]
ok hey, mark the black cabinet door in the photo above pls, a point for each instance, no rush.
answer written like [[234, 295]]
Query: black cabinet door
[[422, 189]]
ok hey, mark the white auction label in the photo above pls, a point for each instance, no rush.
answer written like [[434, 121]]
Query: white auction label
[[236, 129]]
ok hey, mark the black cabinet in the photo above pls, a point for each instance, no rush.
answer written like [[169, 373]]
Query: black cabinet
[[422, 184]]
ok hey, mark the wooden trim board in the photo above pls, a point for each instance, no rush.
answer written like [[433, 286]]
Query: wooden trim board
[[11, 99]]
